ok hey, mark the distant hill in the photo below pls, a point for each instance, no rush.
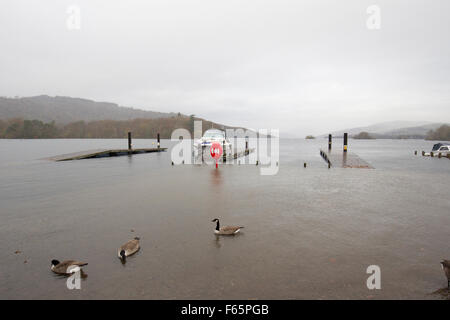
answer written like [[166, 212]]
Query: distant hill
[[414, 131], [64, 110], [363, 136], [101, 129], [393, 130], [48, 117]]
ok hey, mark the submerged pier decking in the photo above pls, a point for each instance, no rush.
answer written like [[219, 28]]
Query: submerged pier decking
[[236, 154], [102, 153], [344, 160]]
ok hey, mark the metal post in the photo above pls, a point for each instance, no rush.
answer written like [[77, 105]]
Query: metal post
[[329, 141], [159, 144], [129, 141], [224, 152], [345, 141]]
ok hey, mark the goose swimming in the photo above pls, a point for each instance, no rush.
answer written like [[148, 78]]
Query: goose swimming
[[129, 248], [66, 267], [445, 264], [227, 230]]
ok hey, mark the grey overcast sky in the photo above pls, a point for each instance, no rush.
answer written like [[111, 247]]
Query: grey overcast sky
[[300, 66]]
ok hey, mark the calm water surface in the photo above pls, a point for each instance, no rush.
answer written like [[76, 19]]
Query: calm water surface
[[309, 233]]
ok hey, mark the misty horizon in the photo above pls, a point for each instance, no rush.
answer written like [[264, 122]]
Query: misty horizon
[[303, 68]]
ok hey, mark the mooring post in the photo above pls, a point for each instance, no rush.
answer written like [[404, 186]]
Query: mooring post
[[345, 141], [423, 153], [329, 164], [246, 145], [329, 141], [224, 152], [304, 165], [129, 141], [431, 154], [159, 144], [415, 153]]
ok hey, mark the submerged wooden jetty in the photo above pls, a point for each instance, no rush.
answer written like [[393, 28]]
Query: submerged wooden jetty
[[343, 159], [226, 157], [237, 154], [102, 153]]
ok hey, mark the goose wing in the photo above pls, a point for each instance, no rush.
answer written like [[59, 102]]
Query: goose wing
[[130, 247], [65, 266], [229, 229]]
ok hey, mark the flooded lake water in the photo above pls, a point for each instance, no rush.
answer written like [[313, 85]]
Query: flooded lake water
[[309, 233]]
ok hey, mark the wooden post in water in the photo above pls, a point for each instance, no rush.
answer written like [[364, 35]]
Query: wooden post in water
[[129, 141], [423, 153], [431, 154], [246, 145], [439, 155], [304, 165], [224, 153], [159, 144], [415, 153], [329, 141], [345, 141]]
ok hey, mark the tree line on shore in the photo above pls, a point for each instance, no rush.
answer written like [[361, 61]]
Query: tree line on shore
[[142, 128], [441, 133], [102, 129]]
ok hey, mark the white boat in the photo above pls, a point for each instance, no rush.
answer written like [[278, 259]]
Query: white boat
[[209, 137], [439, 148]]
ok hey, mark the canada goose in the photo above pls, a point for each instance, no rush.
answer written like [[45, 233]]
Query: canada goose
[[227, 230], [66, 267], [129, 248], [445, 264]]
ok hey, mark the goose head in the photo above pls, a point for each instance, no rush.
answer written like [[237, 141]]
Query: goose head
[[122, 255], [217, 224], [55, 262]]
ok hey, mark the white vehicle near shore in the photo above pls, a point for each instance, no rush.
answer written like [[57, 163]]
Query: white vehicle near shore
[[439, 148], [209, 137]]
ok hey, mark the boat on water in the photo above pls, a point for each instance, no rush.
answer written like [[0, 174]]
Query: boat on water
[[209, 137], [439, 148]]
